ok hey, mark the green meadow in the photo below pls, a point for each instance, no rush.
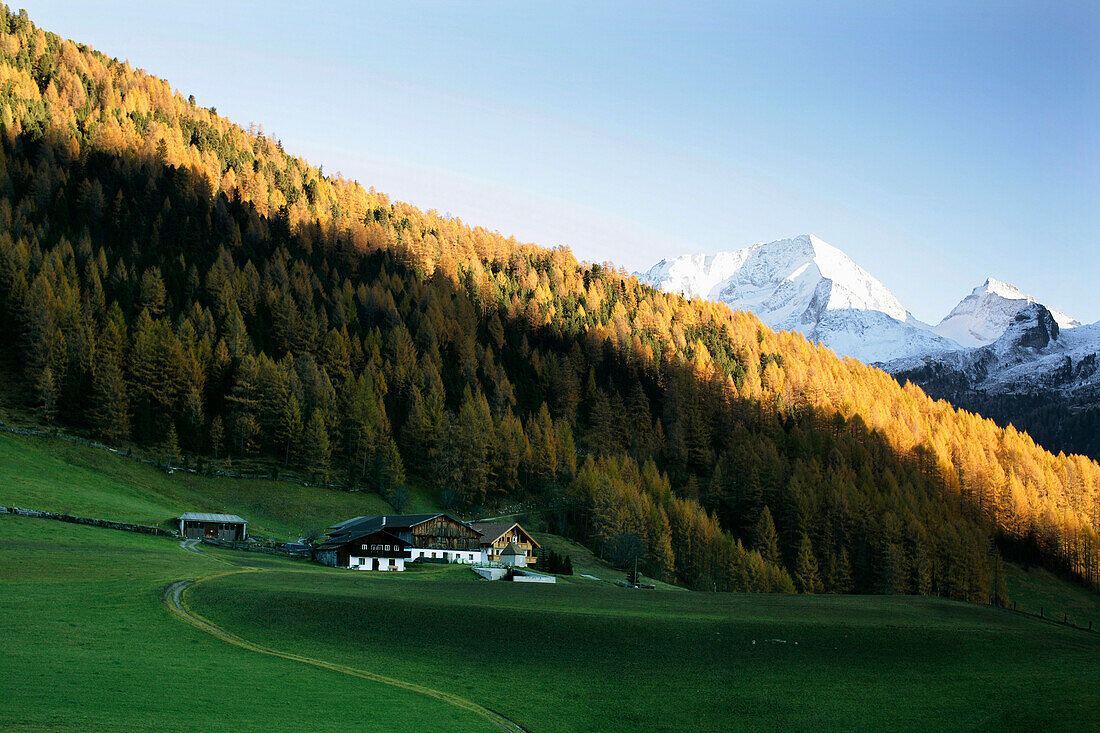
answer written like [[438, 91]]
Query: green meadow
[[579, 657], [89, 644], [58, 476]]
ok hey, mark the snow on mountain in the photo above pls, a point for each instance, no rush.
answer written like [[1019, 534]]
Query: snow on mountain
[[804, 284], [981, 317], [1034, 354]]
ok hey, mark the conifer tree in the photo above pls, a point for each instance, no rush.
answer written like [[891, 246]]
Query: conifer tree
[[290, 429], [171, 446], [765, 538], [393, 471], [843, 575], [317, 445], [217, 435], [47, 395], [110, 412], [806, 577], [660, 561]]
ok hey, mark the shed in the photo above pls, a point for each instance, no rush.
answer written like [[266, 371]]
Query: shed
[[198, 525], [512, 555]]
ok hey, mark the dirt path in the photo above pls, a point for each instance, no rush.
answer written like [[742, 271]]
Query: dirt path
[[177, 604]]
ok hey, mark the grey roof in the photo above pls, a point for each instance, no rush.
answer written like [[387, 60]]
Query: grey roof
[[404, 521], [511, 549], [332, 542], [202, 517], [493, 531], [352, 529], [400, 521]]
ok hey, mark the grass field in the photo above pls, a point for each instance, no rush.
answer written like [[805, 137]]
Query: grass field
[[1037, 589], [586, 563], [55, 475], [590, 657], [89, 645]]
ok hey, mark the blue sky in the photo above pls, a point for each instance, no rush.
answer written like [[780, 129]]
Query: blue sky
[[937, 143]]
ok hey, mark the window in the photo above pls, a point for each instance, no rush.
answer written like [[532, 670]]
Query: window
[[387, 548], [364, 547]]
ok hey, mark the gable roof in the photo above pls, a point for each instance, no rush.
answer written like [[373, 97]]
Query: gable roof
[[202, 517], [356, 528], [406, 521], [493, 531], [400, 521], [351, 529], [332, 543], [511, 549]]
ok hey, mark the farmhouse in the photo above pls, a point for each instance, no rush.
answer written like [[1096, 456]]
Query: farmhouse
[[363, 543], [196, 525], [371, 543], [507, 543]]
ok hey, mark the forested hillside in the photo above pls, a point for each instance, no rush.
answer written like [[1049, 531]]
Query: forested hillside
[[170, 278]]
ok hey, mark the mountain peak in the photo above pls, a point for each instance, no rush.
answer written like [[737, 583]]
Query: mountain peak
[[803, 284], [993, 286], [983, 316]]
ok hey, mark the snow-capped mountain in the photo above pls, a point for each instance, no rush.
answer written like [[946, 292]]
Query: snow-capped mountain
[[1016, 345], [804, 284], [1033, 351], [1040, 377], [999, 352], [981, 317]]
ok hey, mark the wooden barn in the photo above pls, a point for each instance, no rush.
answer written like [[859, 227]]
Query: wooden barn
[[437, 537], [506, 542], [423, 537], [197, 525]]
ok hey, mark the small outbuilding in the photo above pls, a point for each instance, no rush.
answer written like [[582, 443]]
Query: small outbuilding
[[197, 525], [513, 556]]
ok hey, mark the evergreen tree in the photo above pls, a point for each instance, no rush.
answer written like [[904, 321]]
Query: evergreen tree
[[47, 395], [317, 446], [171, 447], [765, 538], [290, 429], [110, 413], [806, 577], [217, 435], [843, 577]]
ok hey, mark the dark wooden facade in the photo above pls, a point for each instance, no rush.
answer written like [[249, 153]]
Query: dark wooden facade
[[197, 526], [432, 537], [372, 545], [439, 532]]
